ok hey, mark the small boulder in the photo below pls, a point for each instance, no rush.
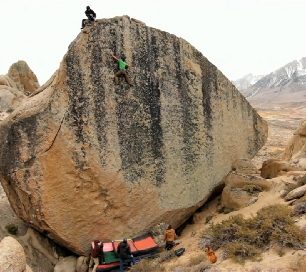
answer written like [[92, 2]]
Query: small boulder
[[66, 264], [296, 193], [82, 264], [242, 190], [274, 168], [12, 257]]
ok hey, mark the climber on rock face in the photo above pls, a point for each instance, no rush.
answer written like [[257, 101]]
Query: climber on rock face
[[91, 16], [122, 69]]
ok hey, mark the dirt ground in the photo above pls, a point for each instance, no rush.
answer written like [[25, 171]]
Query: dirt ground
[[282, 123], [270, 261]]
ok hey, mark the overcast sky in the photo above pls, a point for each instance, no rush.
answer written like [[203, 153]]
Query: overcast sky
[[238, 36]]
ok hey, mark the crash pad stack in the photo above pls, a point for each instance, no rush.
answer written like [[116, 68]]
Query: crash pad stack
[[141, 247]]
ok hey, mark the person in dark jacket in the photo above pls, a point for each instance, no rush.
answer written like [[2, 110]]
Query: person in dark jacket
[[125, 255], [91, 16]]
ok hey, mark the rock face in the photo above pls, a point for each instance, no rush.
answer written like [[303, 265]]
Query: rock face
[[24, 77], [12, 257], [86, 159]]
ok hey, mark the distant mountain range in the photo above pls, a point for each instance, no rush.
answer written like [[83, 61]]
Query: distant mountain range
[[246, 81], [284, 86]]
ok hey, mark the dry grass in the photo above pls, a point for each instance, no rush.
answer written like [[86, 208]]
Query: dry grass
[[148, 266], [245, 238], [252, 189], [201, 267], [166, 256], [195, 260]]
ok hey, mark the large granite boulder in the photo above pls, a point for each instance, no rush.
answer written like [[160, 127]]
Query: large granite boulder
[[86, 158]]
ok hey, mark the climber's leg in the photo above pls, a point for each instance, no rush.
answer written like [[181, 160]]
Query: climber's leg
[[117, 75], [127, 78]]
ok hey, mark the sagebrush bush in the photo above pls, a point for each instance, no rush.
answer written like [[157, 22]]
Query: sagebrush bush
[[166, 256], [240, 251], [245, 238]]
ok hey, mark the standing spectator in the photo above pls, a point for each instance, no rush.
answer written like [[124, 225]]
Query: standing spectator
[[170, 237], [125, 255]]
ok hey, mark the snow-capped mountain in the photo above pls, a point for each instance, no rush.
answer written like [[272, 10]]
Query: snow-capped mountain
[[246, 81], [285, 86]]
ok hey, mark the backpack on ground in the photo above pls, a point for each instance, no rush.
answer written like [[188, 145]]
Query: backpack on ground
[[179, 252]]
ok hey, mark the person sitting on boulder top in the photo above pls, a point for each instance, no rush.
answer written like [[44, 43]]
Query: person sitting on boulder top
[[125, 255], [122, 69], [210, 254], [91, 15], [170, 237]]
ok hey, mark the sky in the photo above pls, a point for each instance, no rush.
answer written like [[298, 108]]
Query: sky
[[238, 36]]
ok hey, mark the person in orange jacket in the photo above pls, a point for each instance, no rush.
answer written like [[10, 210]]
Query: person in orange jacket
[[211, 254], [170, 237]]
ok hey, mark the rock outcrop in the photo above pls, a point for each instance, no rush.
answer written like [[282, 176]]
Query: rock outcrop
[[86, 159], [273, 168], [10, 96], [24, 77], [296, 148], [15, 86]]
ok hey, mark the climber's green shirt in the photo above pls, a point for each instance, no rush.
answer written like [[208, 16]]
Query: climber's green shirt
[[122, 65]]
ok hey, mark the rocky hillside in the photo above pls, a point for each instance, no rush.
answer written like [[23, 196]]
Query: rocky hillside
[[85, 158], [285, 86]]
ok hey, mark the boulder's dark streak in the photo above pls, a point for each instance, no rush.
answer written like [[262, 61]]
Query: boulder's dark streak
[[99, 99], [133, 135], [153, 100], [190, 155], [209, 89], [78, 103], [141, 138]]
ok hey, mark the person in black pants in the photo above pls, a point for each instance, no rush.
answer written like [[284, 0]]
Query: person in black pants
[[125, 255], [91, 16]]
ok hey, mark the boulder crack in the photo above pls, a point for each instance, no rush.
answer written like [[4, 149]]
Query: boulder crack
[[56, 134]]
